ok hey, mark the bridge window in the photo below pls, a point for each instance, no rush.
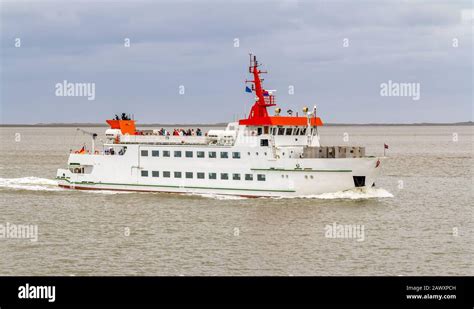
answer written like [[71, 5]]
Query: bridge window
[[274, 131], [166, 153], [248, 176], [288, 131], [189, 174], [224, 176], [167, 174], [189, 154], [144, 153], [155, 153], [212, 176], [236, 155], [200, 154], [155, 174], [297, 131], [235, 176], [177, 174], [200, 175], [212, 154], [303, 131], [281, 131], [260, 177], [224, 155], [259, 131], [144, 173], [177, 154]]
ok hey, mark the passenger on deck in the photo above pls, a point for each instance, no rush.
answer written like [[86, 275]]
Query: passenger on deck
[[198, 132]]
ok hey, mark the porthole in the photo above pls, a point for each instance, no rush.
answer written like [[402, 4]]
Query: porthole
[[311, 177]]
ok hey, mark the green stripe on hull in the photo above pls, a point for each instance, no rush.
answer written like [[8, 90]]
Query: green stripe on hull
[[165, 186], [300, 170]]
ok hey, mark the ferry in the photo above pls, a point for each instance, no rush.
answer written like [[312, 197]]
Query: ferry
[[261, 155]]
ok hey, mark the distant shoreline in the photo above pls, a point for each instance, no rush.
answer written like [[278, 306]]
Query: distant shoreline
[[73, 125]]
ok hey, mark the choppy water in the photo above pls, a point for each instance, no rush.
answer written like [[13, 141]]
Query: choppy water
[[423, 199]]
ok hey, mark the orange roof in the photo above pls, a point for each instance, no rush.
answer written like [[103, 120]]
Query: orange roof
[[280, 121], [126, 126]]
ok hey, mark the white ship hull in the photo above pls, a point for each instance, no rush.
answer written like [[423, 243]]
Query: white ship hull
[[282, 177]]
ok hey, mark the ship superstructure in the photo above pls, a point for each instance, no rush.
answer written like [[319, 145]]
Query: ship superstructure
[[261, 155]]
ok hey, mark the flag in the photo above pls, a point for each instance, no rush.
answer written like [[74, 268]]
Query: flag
[[83, 150], [385, 146], [247, 89]]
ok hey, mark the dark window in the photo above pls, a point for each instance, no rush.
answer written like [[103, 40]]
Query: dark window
[[236, 155], [288, 131], [224, 176], [296, 132], [200, 175], [212, 154], [177, 154], [260, 177], [235, 176], [264, 142], [189, 174], [359, 181], [281, 131], [189, 154], [259, 131], [224, 155], [155, 174], [177, 174], [155, 153], [144, 173], [200, 154], [248, 177], [166, 153], [144, 153], [166, 174], [303, 131], [212, 176]]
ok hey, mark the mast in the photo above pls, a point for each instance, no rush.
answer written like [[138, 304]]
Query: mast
[[264, 99]]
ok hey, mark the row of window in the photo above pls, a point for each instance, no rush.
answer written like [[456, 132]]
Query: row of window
[[190, 154], [285, 131], [201, 175]]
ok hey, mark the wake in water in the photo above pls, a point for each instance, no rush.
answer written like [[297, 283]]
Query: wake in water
[[30, 183], [354, 194], [44, 184]]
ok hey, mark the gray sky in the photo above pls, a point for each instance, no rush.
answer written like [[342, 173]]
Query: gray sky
[[191, 43]]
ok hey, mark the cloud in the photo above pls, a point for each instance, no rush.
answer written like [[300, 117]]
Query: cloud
[[191, 43]]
